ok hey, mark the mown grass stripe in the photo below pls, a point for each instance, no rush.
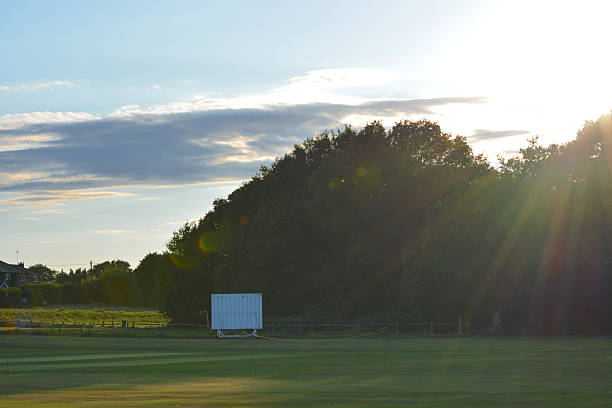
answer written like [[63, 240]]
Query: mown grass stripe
[[69, 357], [165, 361]]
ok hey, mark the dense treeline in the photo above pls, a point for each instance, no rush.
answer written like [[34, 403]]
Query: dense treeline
[[323, 229], [407, 221], [110, 282]]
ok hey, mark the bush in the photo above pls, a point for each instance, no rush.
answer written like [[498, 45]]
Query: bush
[[50, 292], [13, 297], [3, 297], [10, 297], [72, 293], [94, 291], [120, 286], [33, 294]]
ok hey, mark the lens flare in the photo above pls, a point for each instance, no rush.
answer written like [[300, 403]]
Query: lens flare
[[180, 261], [335, 183], [244, 220], [367, 176], [208, 242]]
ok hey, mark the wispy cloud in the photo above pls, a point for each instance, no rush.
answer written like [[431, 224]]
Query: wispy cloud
[[319, 86], [22, 142], [21, 120], [28, 218], [110, 232], [37, 86], [47, 158], [42, 200], [86, 159], [487, 134]]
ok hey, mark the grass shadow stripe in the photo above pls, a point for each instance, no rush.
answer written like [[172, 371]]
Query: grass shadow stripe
[[131, 363], [69, 357]]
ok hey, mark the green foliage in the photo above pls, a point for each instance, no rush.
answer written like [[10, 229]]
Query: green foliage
[[117, 263], [530, 244], [72, 276], [13, 297], [73, 293], [406, 221], [80, 314], [155, 275], [33, 294], [409, 221], [50, 292], [189, 299], [45, 274], [120, 286], [322, 229]]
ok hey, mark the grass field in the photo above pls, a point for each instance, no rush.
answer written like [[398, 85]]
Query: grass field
[[353, 372], [81, 315]]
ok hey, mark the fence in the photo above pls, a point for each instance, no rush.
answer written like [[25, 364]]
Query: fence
[[112, 324], [425, 329], [280, 329]]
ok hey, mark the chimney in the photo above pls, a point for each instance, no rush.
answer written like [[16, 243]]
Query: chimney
[[21, 264]]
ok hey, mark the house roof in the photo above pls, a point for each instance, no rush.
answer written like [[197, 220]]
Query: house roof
[[5, 267]]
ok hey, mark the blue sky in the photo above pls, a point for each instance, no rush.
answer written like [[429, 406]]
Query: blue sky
[[121, 120]]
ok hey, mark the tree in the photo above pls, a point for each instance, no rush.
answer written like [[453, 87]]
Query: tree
[[155, 276], [302, 230], [118, 263], [408, 221], [45, 274], [120, 286]]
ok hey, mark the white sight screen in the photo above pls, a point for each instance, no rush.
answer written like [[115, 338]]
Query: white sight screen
[[236, 311]]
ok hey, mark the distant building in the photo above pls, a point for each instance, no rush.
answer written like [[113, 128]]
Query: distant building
[[16, 275]]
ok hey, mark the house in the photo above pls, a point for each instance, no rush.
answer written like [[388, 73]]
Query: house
[[16, 275]]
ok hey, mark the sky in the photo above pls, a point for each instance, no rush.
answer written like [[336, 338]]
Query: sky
[[121, 121]]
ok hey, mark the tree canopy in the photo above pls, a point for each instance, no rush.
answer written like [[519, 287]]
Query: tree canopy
[[410, 221]]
